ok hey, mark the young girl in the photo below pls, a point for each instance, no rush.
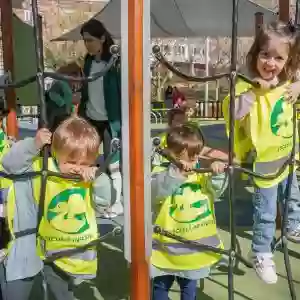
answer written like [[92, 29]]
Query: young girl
[[68, 219], [264, 129], [182, 203]]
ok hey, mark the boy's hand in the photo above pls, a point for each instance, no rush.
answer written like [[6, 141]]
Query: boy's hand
[[218, 167], [42, 138], [88, 173], [292, 92], [187, 166]]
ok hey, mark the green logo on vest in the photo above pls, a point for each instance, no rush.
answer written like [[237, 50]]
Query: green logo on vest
[[191, 210], [282, 119], [67, 211]]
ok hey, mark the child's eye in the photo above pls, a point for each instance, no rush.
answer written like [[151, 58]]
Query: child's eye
[[279, 58], [264, 53]]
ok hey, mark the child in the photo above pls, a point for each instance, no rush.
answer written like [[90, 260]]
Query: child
[[59, 98], [68, 219], [264, 129], [178, 116], [182, 203]]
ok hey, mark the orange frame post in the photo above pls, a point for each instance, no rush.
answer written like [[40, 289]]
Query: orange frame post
[[140, 281], [8, 59]]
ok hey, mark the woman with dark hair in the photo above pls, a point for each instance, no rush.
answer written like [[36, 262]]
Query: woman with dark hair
[[101, 99]]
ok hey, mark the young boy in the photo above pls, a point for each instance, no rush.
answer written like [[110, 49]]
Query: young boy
[[176, 117], [182, 203], [68, 220]]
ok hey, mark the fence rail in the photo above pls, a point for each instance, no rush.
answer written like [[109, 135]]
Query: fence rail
[[205, 110]]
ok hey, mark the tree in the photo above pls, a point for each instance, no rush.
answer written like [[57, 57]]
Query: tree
[[58, 19]]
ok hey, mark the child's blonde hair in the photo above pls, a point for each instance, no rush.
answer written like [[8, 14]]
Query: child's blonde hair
[[283, 31], [76, 139]]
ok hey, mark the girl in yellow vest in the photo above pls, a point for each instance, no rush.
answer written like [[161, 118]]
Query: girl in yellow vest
[[264, 128], [68, 218], [182, 203]]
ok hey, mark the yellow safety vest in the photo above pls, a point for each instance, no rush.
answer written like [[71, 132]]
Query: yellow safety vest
[[68, 222], [4, 148], [188, 213], [242, 140], [162, 160], [269, 129], [163, 140], [10, 212]]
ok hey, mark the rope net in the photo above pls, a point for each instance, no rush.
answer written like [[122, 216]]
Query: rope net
[[232, 252]]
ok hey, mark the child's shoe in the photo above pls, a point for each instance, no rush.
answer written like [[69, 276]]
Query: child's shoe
[[264, 267], [293, 235]]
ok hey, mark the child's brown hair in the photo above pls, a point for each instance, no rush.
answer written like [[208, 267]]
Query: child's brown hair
[[185, 137], [76, 138], [175, 112], [283, 31]]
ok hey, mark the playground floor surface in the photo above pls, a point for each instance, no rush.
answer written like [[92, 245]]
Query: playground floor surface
[[113, 280]]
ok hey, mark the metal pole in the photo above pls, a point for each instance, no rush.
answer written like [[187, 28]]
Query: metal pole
[[207, 59], [125, 130], [37, 23], [140, 283], [39, 53], [8, 59], [284, 15], [231, 194]]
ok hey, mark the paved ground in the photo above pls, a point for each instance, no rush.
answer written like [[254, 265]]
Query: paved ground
[[113, 280]]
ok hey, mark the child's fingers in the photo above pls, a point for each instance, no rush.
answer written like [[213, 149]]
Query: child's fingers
[[88, 174], [48, 138]]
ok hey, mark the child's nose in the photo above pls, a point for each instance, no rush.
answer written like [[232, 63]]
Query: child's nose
[[271, 62]]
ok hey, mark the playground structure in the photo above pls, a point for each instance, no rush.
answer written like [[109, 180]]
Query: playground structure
[[136, 86]]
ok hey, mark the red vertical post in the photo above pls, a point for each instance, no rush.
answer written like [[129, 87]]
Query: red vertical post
[[284, 10], [140, 281], [259, 21], [8, 59]]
